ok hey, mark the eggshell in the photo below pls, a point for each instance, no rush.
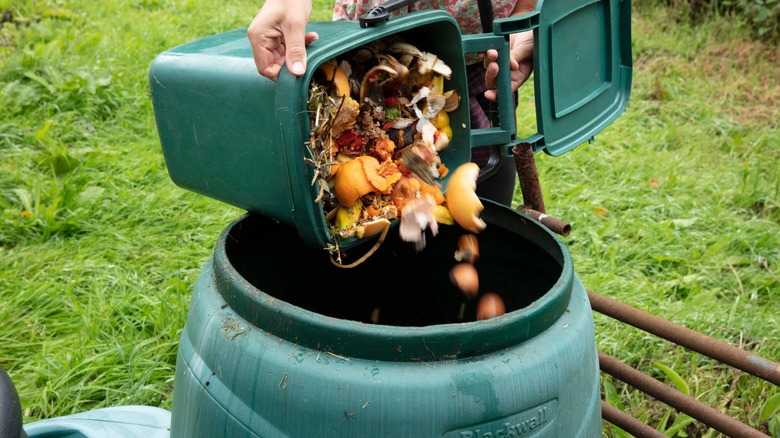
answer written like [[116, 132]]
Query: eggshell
[[468, 249], [490, 306], [465, 276]]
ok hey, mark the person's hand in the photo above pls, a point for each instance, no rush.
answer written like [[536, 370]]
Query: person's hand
[[521, 54], [278, 36]]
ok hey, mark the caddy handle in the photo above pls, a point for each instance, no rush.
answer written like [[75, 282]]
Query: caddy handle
[[382, 12], [502, 138]]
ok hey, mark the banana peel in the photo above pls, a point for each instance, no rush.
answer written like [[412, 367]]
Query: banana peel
[[348, 217], [443, 215], [336, 75]]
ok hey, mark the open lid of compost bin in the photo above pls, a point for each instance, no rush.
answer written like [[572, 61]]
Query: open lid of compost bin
[[582, 68]]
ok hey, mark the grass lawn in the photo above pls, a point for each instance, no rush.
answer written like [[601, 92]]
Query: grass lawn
[[675, 207]]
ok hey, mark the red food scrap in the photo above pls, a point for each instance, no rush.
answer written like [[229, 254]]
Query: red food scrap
[[350, 143]]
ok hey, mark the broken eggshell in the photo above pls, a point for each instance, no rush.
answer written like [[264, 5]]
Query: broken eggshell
[[464, 275], [490, 306], [416, 217], [468, 249]]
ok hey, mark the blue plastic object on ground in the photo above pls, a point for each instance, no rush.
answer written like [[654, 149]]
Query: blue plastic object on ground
[[113, 422]]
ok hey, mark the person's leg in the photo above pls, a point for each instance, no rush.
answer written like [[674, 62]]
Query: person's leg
[[500, 186], [11, 412]]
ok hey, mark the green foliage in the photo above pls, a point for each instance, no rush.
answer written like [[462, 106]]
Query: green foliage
[[770, 414], [679, 383], [677, 428], [762, 17], [613, 398]]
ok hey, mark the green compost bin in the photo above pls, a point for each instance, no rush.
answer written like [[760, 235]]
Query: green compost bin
[[231, 134], [281, 343]]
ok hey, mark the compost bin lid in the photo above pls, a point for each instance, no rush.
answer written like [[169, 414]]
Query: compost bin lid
[[582, 68]]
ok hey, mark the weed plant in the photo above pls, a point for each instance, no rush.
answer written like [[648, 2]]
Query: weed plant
[[675, 207]]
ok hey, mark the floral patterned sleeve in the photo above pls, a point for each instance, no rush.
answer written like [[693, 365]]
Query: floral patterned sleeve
[[466, 12]]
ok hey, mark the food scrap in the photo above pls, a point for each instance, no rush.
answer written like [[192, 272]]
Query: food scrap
[[462, 199], [490, 306], [468, 249], [464, 275], [379, 118]]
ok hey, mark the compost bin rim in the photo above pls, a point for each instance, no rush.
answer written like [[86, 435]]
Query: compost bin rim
[[402, 343]]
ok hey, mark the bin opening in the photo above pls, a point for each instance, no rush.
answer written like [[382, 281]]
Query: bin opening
[[408, 288]]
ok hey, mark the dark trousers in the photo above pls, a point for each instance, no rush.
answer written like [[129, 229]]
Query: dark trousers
[[500, 186]]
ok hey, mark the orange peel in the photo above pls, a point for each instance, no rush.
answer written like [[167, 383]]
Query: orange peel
[[372, 168], [372, 211], [434, 191], [334, 168], [351, 182], [360, 176], [462, 200]]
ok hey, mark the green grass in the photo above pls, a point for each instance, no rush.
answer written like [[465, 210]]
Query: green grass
[[675, 207]]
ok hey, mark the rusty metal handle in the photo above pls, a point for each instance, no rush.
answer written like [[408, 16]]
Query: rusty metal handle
[[693, 340]]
